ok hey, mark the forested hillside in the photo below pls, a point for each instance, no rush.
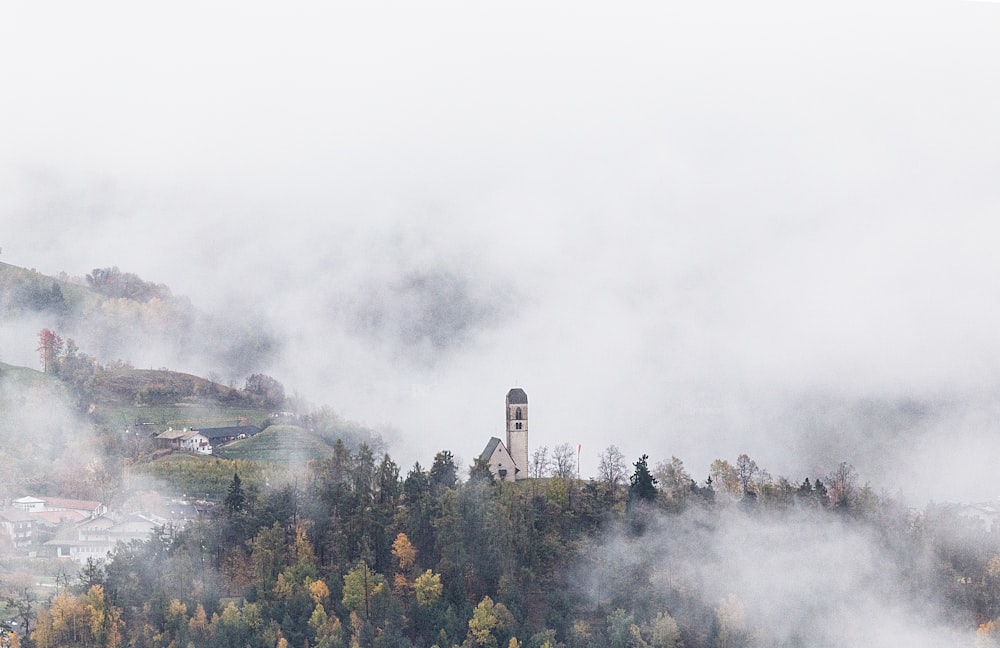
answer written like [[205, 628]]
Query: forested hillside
[[310, 534], [117, 315], [357, 554]]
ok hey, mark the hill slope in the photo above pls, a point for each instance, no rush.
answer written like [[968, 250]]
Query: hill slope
[[23, 290], [280, 444], [115, 315]]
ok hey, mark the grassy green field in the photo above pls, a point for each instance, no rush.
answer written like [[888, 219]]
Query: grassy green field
[[78, 298], [22, 380], [288, 444], [201, 475], [24, 375], [271, 456], [177, 416]]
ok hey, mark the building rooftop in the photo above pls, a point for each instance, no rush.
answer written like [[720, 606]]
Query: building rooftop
[[490, 448], [58, 517], [516, 396], [62, 502], [16, 515], [174, 434]]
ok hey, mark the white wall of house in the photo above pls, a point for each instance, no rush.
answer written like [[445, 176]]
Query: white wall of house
[[80, 552], [198, 443], [30, 504]]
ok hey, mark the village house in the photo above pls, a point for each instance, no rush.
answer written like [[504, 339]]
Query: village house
[[60, 504], [30, 504], [175, 511], [55, 518], [18, 527], [97, 537], [30, 520], [81, 529], [171, 439], [203, 440]]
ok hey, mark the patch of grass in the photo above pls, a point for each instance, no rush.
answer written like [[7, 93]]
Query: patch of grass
[[21, 381], [177, 416], [202, 476], [15, 281], [288, 444], [23, 375]]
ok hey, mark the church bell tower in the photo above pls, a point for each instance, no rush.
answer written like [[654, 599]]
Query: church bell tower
[[517, 430]]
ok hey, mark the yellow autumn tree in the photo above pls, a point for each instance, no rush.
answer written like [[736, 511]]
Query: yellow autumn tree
[[87, 621], [663, 632], [406, 554], [319, 591], [488, 620], [175, 616], [329, 631], [198, 626], [404, 551], [428, 588], [305, 555]]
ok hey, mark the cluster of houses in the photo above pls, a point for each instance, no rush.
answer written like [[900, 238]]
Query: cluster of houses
[[202, 440], [81, 529]]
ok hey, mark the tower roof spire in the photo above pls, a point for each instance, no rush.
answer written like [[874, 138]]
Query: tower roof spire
[[516, 396]]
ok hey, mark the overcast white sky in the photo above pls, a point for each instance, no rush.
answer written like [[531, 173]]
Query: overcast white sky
[[685, 228]]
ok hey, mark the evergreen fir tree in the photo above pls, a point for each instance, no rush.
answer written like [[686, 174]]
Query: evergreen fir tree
[[236, 499], [642, 484]]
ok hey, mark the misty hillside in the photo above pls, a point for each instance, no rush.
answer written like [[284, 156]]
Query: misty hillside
[[24, 291], [68, 428], [26, 378], [740, 255], [293, 521], [123, 385], [116, 315]]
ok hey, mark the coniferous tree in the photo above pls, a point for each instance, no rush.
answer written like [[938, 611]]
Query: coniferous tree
[[480, 471], [236, 499], [444, 472], [642, 484]]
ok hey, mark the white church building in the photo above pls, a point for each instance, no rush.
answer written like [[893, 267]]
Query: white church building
[[509, 462]]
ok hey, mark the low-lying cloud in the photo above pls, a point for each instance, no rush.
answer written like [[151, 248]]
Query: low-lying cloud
[[687, 230], [792, 578]]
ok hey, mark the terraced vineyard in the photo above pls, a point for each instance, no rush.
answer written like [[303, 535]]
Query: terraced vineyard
[[289, 444]]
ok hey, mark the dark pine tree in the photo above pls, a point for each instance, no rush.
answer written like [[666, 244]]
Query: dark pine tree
[[444, 472], [642, 484], [236, 499], [480, 471]]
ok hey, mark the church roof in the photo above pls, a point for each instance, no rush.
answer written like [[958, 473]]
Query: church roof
[[490, 448], [516, 396]]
